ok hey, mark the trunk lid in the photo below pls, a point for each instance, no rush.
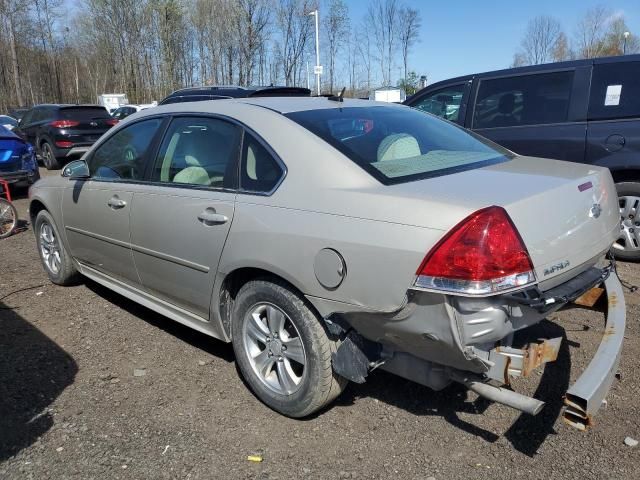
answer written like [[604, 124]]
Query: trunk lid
[[566, 213]]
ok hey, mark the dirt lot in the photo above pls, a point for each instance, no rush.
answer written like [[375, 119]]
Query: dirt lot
[[94, 386]]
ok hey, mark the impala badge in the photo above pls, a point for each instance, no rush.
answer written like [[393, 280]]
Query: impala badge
[[595, 211], [556, 268]]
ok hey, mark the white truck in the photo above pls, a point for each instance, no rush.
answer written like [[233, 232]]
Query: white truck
[[111, 101]]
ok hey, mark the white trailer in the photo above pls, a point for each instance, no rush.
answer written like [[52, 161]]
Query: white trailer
[[111, 101]]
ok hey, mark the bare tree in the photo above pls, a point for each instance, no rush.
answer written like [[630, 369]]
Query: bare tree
[[336, 26], [382, 19], [409, 23], [590, 32], [615, 42], [561, 50], [294, 27], [540, 40]]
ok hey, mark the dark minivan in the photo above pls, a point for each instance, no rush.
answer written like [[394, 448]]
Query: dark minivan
[[584, 111], [60, 133]]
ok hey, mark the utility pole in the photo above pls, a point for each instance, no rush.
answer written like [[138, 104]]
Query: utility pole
[[624, 45], [318, 67]]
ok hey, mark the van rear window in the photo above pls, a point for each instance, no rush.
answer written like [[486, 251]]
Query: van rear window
[[400, 144]]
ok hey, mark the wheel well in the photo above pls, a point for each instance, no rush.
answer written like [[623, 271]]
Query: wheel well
[[35, 207], [235, 280], [625, 175]]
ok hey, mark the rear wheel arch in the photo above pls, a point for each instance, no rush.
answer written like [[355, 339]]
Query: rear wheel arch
[[35, 207], [239, 277]]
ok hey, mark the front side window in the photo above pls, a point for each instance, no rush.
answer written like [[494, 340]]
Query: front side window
[[399, 144], [443, 103], [259, 171], [122, 155], [523, 100], [199, 151], [615, 91]]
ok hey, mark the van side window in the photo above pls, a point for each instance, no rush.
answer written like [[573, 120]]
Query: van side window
[[615, 91], [523, 100], [444, 103]]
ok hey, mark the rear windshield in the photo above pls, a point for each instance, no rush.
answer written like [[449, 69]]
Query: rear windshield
[[397, 144], [83, 113]]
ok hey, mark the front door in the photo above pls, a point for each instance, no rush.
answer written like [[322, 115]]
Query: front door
[[180, 220], [96, 211]]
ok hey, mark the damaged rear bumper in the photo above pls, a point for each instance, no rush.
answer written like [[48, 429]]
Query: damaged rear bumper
[[585, 397]]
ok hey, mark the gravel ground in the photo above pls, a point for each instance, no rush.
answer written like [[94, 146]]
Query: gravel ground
[[94, 386]]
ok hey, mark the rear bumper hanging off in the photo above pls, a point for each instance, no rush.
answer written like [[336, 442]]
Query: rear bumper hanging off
[[585, 397]]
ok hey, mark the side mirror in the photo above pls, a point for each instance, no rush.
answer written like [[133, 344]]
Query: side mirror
[[76, 170]]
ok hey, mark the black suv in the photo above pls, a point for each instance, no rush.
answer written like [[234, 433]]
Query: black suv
[[62, 132], [584, 111], [220, 92]]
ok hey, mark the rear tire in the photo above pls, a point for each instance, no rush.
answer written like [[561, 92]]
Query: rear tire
[[54, 256], [283, 350], [8, 218], [629, 241], [49, 160]]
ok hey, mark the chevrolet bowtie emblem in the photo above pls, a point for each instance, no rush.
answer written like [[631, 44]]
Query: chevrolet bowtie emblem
[[595, 211]]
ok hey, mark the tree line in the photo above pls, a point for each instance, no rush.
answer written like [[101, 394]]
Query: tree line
[[600, 32], [148, 48]]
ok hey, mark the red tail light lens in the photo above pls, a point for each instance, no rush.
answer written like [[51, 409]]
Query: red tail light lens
[[483, 254], [111, 122], [64, 123], [64, 144]]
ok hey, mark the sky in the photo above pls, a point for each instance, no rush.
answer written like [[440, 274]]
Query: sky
[[466, 36]]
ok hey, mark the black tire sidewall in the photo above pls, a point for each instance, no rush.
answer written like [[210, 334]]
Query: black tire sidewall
[[627, 189], [298, 403], [48, 157]]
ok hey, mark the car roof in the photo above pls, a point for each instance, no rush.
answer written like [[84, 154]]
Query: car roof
[[299, 104], [534, 68]]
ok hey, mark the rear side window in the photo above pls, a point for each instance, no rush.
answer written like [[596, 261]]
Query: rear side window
[[615, 91], [523, 100], [83, 114], [443, 103], [400, 144], [259, 171]]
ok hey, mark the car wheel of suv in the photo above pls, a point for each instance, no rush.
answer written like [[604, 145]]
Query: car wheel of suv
[[627, 247], [55, 259], [48, 158], [282, 349]]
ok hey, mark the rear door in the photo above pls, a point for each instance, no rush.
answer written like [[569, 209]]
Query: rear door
[[180, 220], [96, 212], [535, 114], [448, 102], [613, 138]]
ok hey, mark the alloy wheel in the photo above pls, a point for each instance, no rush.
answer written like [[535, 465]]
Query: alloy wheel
[[274, 348], [629, 239], [50, 248]]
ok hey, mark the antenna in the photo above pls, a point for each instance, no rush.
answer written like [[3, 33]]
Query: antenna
[[339, 97]]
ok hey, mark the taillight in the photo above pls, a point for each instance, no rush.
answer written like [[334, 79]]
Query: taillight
[[64, 144], [64, 123], [483, 254], [111, 122]]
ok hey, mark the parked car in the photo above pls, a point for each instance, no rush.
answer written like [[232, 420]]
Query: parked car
[[123, 112], [219, 92], [406, 243], [17, 113], [63, 132], [584, 111], [8, 122], [18, 164]]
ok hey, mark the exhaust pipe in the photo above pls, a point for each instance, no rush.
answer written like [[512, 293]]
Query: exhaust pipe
[[497, 394]]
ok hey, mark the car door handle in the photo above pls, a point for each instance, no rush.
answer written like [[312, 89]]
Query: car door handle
[[116, 203], [210, 217]]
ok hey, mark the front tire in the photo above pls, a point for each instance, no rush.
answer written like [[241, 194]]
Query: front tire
[[48, 158], [54, 256], [282, 349], [627, 247]]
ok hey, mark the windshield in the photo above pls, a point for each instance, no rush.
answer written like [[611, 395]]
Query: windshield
[[396, 144]]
